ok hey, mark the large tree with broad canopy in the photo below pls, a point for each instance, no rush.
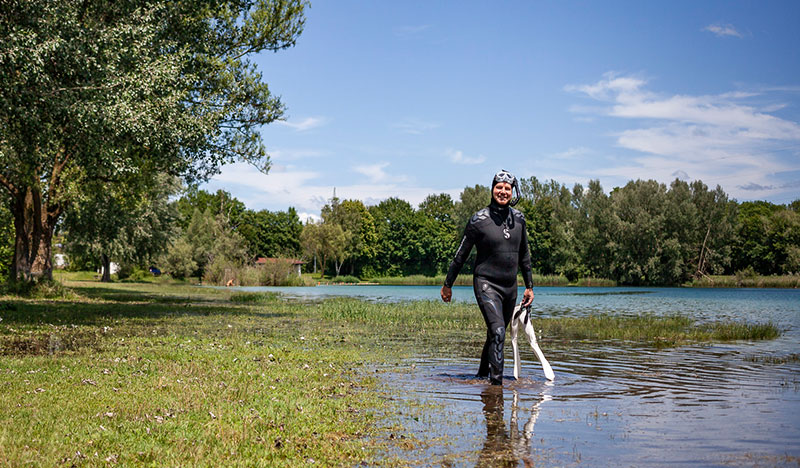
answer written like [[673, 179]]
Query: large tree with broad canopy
[[99, 90]]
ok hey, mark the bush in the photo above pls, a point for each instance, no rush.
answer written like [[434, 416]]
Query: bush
[[178, 260], [125, 270], [139, 275], [221, 271], [345, 279]]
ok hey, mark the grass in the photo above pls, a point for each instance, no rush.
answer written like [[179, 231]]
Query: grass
[[168, 374], [740, 281], [466, 280], [434, 316]]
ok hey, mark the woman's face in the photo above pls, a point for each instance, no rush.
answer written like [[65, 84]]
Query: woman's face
[[502, 193]]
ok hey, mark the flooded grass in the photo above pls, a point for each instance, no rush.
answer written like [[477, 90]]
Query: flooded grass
[[670, 330], [777, 360]]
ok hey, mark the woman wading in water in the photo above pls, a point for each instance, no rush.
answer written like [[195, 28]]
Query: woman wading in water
[[498, 233]]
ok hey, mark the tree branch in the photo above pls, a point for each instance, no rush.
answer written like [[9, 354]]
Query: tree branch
[[8, 185]]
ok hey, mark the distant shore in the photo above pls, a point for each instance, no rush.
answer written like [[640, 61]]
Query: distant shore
[[716, 281]]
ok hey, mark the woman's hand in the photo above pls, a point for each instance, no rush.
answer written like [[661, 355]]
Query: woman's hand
[[527, 297], [447, 293]]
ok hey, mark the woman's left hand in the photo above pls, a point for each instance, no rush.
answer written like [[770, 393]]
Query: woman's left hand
[[527, 297]]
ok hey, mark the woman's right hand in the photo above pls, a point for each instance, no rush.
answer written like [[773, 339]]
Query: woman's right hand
[[447, 293]]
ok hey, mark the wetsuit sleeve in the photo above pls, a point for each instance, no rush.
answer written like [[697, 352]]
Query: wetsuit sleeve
[[461, 255], [525, 258]]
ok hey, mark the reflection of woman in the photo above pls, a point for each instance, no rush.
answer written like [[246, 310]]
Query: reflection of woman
[[506, 447], [496, 450], [498, 232]]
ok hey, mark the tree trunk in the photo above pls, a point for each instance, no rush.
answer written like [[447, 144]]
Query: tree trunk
[[322, 267], [106, 269], [34, 236]]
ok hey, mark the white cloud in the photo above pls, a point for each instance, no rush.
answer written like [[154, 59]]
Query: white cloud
[[375, 172], [715, 138], [308, 191], [723, 30], [458, 157], [306, 124]]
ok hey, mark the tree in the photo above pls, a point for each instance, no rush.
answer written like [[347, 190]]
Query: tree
[[97, 90], [220, 203], [359, 229], [643, 255], [752, 247], [439, 232], [325, 241], [271, 233], [711, 250], [471, 200], [131, 222], [595, 230], [399, 246]]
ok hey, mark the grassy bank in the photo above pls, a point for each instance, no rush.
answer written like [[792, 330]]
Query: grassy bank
[[740, 281], [167, 374], [466, 280]]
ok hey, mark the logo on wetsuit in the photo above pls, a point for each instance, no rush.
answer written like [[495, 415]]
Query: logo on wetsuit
[[506, 234]]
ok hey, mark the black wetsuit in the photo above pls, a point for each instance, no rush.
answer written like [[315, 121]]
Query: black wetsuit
[[499, 234]]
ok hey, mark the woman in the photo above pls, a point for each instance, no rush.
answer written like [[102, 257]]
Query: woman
[[498, 232]]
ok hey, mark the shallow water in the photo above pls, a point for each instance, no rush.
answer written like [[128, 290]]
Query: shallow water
[[691, 406], [612, 404]]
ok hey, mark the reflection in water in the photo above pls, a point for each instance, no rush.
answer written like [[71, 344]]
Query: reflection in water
[[506, 447]]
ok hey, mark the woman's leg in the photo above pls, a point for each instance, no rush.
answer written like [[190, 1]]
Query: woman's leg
[[497, 315]]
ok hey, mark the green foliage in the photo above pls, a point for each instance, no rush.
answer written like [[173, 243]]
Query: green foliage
[[129, 223], [439, 232], [220, 203], [768, 238], [358, 227], [345, 279], [324, 241], [271, 234], [400, 248], [102, 90], [178, 261]]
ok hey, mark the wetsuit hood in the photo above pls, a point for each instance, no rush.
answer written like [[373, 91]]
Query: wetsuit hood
[[507, 177]]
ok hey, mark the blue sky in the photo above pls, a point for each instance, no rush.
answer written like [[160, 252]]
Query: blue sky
[[406, 99]]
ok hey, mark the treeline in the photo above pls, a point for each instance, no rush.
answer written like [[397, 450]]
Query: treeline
[[644, 233]]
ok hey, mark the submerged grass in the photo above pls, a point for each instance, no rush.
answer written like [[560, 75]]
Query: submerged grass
[[667, 330]]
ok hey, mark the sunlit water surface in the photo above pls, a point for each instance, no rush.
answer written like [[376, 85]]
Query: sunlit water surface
[[612, 404]]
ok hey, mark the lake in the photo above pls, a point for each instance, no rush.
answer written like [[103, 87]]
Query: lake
[[620, 404]]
